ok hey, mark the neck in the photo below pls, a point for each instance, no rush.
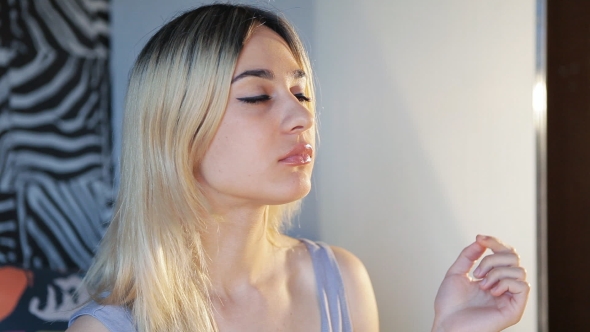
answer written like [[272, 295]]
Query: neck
[[239, 249]]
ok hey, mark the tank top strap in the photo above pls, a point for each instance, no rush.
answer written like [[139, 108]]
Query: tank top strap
[[330, 288]]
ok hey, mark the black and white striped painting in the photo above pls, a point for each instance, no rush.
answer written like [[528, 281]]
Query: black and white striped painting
[[55, 131]]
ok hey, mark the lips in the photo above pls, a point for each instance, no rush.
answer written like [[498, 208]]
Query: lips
[[301, 154]]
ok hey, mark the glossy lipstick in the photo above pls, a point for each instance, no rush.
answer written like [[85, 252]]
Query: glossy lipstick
[[301, 154]]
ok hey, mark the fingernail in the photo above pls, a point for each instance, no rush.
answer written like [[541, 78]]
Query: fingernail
[[476, 272], [483, 282]]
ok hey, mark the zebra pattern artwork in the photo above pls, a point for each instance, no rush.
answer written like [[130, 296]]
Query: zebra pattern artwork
[[55, 131]]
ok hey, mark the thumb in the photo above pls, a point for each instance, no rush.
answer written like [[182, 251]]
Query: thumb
[[466, 259]]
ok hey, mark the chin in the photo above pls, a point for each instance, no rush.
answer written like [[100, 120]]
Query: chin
[[303, 193], [302, 188], [292, 195]]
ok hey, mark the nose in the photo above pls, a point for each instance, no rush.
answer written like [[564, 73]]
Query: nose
[[298, 118]]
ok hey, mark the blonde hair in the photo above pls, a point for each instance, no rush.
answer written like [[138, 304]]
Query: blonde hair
[[151, 259]]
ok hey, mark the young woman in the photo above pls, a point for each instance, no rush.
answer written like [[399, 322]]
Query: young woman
[[218, 149]]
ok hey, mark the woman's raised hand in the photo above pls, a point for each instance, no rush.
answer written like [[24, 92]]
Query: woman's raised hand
[[490, 303]]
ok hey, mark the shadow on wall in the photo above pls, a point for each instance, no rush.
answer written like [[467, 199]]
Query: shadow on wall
[[380, 195], [383, 200]]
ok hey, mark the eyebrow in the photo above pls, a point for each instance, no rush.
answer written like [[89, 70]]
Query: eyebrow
[[266, 74]]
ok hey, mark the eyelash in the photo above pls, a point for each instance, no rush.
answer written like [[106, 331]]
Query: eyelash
[[302, 98], [262, 98]]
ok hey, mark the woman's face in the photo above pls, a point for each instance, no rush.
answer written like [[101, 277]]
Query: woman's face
[[263, 150]]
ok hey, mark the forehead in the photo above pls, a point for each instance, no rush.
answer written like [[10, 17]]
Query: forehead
[[265, 49]]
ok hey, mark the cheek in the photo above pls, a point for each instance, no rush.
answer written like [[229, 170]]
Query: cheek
[[234, 154]]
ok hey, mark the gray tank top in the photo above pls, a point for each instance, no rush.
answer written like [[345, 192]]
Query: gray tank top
[[330, 292]]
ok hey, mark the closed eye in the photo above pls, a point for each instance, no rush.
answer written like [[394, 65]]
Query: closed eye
[[301, 97], [254, 99]]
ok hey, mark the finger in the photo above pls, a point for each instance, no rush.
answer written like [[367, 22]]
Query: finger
[[498, 274], [519, 292], [493, 243], [466, 259], [496, 260], [519, 289]]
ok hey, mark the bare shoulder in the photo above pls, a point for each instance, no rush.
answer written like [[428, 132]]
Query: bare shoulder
[[359, 291], [87, 323]]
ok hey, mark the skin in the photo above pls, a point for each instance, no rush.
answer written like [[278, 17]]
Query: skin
[[241, 169], [262, 282], [493, 301], [259, 285]]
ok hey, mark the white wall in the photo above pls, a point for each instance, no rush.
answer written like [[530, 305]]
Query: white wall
[[426, 132], [426, 140]]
